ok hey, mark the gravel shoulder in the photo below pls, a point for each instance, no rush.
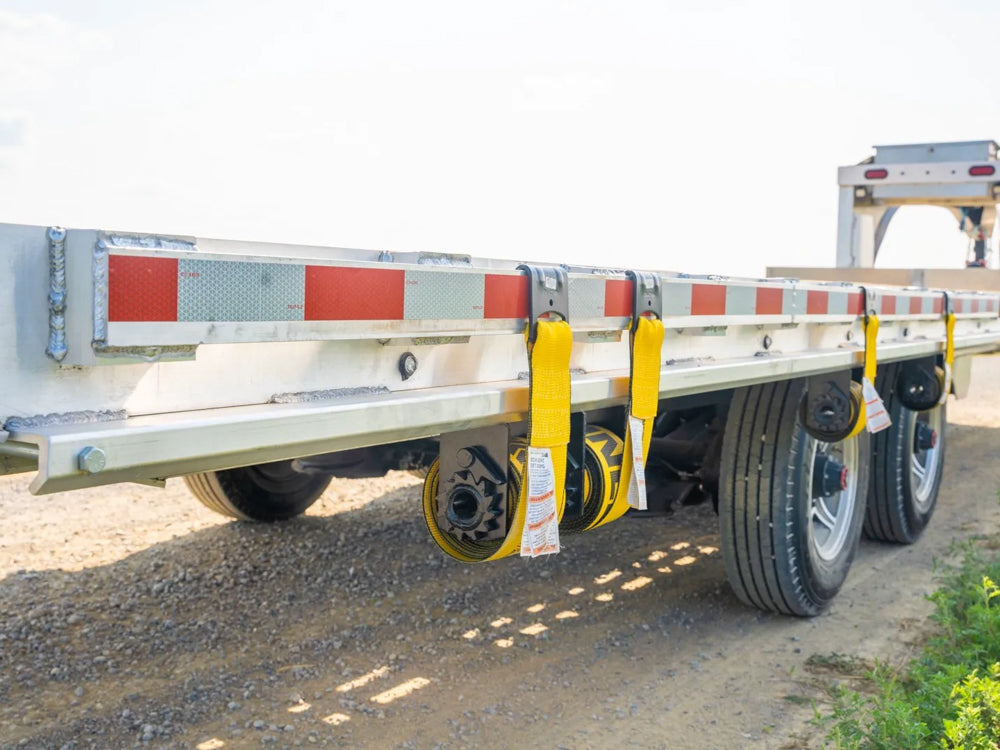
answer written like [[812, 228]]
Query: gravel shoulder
[[131, 616]]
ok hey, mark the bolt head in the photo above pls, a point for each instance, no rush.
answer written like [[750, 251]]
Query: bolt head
[[91, 460], [57, 234], [407, 365]]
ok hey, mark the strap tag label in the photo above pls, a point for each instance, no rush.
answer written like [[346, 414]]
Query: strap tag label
[[541, 525], [876, 417], [637, 480]]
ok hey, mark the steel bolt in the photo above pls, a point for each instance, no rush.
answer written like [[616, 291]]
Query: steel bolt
[[91, 460], [57, 234]]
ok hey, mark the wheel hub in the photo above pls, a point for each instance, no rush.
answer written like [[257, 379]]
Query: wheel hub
[[925, 437], [829, 476]]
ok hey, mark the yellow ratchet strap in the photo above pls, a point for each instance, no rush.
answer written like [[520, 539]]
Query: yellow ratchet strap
[[870, 369], [949, 355], [949, 347], [646, 342], [548, 420]]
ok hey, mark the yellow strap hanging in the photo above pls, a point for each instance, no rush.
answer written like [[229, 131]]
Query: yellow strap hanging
[[871, 347], [949, 356], [949, 347], [548, 419], [870, 325], [646, 343]]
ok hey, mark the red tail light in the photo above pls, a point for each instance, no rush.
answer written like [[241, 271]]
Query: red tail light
[[878, 174], [984, 170]]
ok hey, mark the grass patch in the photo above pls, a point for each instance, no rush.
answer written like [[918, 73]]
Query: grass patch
[[949, 697]]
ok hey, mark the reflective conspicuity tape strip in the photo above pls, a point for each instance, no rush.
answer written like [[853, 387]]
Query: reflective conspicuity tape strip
[[145, 288], [769, 300], [617, 298], [208, 290], [191, 288], [338, 293], [966, 304], [142, 288], [152, 288]]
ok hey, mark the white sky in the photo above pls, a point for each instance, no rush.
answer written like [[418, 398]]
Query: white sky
[[694, 136]]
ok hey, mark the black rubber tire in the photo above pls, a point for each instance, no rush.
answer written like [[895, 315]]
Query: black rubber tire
[[898, 509], [264, 492], [766, 504]]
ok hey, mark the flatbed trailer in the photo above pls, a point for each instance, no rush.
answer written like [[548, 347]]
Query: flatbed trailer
[[540, 401]]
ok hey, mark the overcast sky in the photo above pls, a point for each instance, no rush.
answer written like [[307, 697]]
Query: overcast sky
[[699, 136]]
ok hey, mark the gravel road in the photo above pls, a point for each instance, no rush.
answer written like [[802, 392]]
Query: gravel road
[[132, 617]]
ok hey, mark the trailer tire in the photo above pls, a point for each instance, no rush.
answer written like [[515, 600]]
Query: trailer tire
[[787, 546], [905, 479], [264, 492]]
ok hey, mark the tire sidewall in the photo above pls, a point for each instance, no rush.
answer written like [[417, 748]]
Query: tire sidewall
[[893, 514]]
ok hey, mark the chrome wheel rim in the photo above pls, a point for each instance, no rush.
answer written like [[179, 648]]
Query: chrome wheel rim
[[831, 516]]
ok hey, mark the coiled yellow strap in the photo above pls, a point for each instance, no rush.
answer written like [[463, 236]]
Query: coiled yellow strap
[[646, 343]]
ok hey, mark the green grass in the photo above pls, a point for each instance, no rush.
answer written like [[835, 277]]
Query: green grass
[[949, 697]]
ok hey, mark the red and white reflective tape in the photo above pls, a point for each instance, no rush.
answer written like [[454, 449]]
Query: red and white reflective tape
[[162, 288]]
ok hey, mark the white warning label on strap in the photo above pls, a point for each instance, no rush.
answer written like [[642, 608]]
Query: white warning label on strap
[[637, 481], [876, 416], [541, 522]]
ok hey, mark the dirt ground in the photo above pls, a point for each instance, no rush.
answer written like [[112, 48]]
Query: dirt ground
[[131, 616]]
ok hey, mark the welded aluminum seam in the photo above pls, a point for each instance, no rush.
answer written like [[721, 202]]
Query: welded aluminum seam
[[56, 348]]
